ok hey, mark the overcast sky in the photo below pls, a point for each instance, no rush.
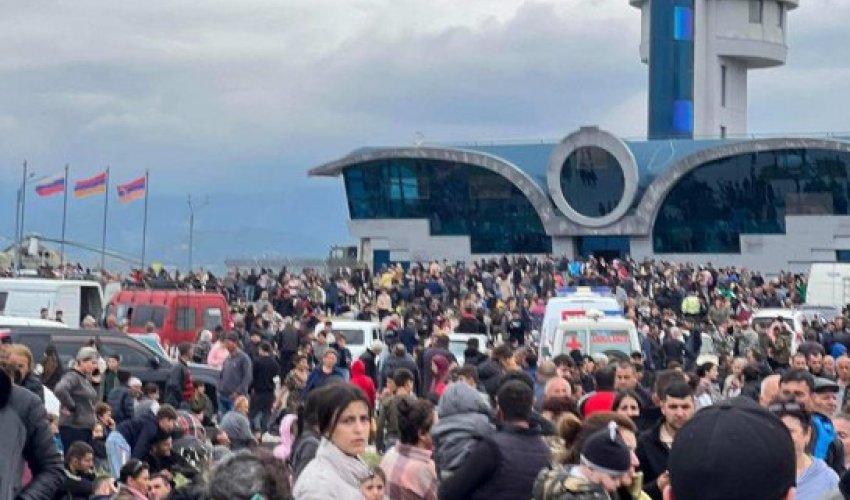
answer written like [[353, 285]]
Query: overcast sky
[[247, 95]]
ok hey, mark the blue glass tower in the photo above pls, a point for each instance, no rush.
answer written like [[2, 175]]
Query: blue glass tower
[[671, 69]]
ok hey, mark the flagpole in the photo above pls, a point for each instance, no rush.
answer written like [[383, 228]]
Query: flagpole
[[23, 217], [64, 223], [145, 222], [17, 229], [103, 235]]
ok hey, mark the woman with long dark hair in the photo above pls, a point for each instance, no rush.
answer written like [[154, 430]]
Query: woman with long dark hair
[[344, 423]]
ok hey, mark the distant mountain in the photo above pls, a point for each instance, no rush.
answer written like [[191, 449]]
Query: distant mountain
[[303, 220]]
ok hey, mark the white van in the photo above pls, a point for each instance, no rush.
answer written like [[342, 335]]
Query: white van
[[763, 318], [829, 285], [12, 321], [359, 335], [575, 304], [25, 297], [594, 334]]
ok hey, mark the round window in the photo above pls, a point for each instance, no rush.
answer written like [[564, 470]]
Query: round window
[[592, 181]]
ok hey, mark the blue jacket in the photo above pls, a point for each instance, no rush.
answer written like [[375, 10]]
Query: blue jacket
[[139, 432], [319, 378]]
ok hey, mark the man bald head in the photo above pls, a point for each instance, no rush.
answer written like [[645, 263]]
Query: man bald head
[[769, 390]]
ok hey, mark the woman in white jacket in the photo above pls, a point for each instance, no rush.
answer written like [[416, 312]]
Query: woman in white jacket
[[337, 470]]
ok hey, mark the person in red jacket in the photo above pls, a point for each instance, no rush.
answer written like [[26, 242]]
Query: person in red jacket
[[602, 399], [363, 381]]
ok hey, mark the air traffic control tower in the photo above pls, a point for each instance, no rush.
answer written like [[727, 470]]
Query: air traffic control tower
[[699, 52]]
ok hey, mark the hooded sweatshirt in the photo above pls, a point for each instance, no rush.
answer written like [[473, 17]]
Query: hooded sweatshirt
[[363, 381], [464, 420]]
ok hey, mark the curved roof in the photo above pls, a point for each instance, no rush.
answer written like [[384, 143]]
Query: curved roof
[[660, 164]]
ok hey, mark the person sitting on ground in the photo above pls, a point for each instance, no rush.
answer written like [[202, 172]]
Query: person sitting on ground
[[237, 426], [464, 420]]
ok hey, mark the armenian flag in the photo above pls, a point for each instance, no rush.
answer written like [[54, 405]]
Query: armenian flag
[[92, 185], [132, 190], [50, 186]]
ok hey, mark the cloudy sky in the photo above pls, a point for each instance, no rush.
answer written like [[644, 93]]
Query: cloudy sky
[[236, 100]]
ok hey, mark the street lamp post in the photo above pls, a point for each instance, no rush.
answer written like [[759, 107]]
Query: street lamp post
[[192, 209]]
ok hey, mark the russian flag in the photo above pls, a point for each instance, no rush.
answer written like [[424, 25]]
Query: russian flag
[[92, 185], [50, 186], [132, 190]]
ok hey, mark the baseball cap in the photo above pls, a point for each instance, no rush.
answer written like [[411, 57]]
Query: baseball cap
[[733, 450]]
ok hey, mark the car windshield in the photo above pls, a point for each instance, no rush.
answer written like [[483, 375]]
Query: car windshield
[[351, 336], [457, 347]]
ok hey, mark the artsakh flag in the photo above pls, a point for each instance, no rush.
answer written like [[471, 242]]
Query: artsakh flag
[[132, 190], [50, 186], [92, 185]]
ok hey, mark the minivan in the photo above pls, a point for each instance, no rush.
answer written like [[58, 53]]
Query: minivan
[[176, 314]]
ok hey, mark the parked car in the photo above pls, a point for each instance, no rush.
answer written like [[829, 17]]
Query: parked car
[[176, 314], [142, 361], [359, 335]]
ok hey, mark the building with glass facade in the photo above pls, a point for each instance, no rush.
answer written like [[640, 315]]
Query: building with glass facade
[[771, 204], [768, 204]]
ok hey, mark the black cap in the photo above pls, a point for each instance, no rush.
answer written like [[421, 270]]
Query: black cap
[[605, 451], [733, 450]]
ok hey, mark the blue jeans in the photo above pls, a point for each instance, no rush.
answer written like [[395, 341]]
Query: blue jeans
[[117, 452], [225, 404]]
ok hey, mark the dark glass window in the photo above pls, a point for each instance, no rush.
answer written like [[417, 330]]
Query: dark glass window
[[711, 206], [592, 181], [671, 69], [457, 199], [185, 318]]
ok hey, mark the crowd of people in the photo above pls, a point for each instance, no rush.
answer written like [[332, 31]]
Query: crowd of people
[[408, 419]]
